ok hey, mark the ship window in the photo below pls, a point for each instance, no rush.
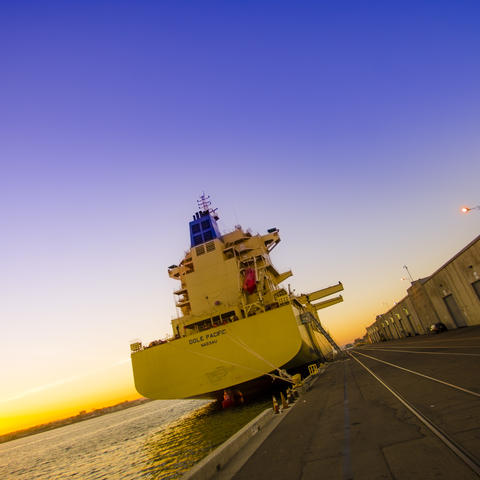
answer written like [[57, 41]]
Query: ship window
[[197, 239], [205, 225], [216, 321], [200, 250], [210, 246], [196, 228], [208, 235]]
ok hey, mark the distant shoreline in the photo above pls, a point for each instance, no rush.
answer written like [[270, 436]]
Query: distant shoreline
[[80, 417]]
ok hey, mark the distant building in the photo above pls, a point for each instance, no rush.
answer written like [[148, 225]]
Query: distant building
[[450, 295]]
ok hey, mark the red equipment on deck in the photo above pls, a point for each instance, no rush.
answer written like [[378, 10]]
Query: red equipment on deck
[[250, 281]]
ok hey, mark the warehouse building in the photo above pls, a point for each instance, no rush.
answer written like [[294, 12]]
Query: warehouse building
[[451, 295]]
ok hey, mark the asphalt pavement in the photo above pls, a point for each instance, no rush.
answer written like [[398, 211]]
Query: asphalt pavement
[[350, 426]]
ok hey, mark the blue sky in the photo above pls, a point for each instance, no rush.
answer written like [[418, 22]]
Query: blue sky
[[352, 127]]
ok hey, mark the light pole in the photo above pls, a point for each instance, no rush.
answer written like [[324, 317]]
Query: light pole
[[409, 276], [469, 209]]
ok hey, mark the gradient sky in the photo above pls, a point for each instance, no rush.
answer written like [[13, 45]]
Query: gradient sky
[[353, 127]]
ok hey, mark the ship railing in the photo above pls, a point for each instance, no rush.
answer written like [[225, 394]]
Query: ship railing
[[283, 299], [137, 346], [253, 308]]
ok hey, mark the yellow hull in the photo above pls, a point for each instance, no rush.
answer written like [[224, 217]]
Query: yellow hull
[[219, 358]]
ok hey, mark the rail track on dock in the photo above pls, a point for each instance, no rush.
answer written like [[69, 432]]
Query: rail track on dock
[[430, 381]]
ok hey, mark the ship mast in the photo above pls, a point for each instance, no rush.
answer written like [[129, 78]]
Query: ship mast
[[204, 205]]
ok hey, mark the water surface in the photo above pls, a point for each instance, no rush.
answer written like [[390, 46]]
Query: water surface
[[161, 439]]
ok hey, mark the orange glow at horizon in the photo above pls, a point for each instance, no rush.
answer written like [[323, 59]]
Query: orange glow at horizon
[[19, 420], [67, 399]]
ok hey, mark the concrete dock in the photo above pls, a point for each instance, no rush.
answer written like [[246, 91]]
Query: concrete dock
[[350, 426]]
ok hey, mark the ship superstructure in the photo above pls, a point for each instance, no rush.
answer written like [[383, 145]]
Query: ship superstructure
[[237, 323]]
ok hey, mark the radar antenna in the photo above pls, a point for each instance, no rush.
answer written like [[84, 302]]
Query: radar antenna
[[204, 205], [204, 202]]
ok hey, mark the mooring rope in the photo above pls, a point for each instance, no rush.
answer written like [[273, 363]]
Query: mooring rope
[[282, 374]]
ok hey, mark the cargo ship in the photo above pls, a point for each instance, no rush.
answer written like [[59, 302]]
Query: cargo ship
[[238, 328]]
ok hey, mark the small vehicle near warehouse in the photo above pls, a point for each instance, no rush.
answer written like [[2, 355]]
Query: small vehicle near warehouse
[[438, 327]]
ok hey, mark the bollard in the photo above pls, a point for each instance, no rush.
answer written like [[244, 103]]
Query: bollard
[[290, 398], [292, 393], [284, 402], [276, 409]]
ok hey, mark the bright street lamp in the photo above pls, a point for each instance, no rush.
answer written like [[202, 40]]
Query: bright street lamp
[[468, 209]]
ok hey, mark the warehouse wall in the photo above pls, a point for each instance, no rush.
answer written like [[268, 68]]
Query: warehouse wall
[[450, 295]]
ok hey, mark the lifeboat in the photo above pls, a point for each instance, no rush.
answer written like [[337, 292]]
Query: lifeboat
[[250, 281]]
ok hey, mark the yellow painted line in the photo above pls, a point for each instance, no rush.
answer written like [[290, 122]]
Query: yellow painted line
[[466, 457], [426, 353], [422, 375]]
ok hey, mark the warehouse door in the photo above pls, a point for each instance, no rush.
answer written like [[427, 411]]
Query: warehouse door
[[455, 312], [409, 320], [476, 287], [402, 330]]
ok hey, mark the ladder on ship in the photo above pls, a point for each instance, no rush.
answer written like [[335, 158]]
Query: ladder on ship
[[309, 317]]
